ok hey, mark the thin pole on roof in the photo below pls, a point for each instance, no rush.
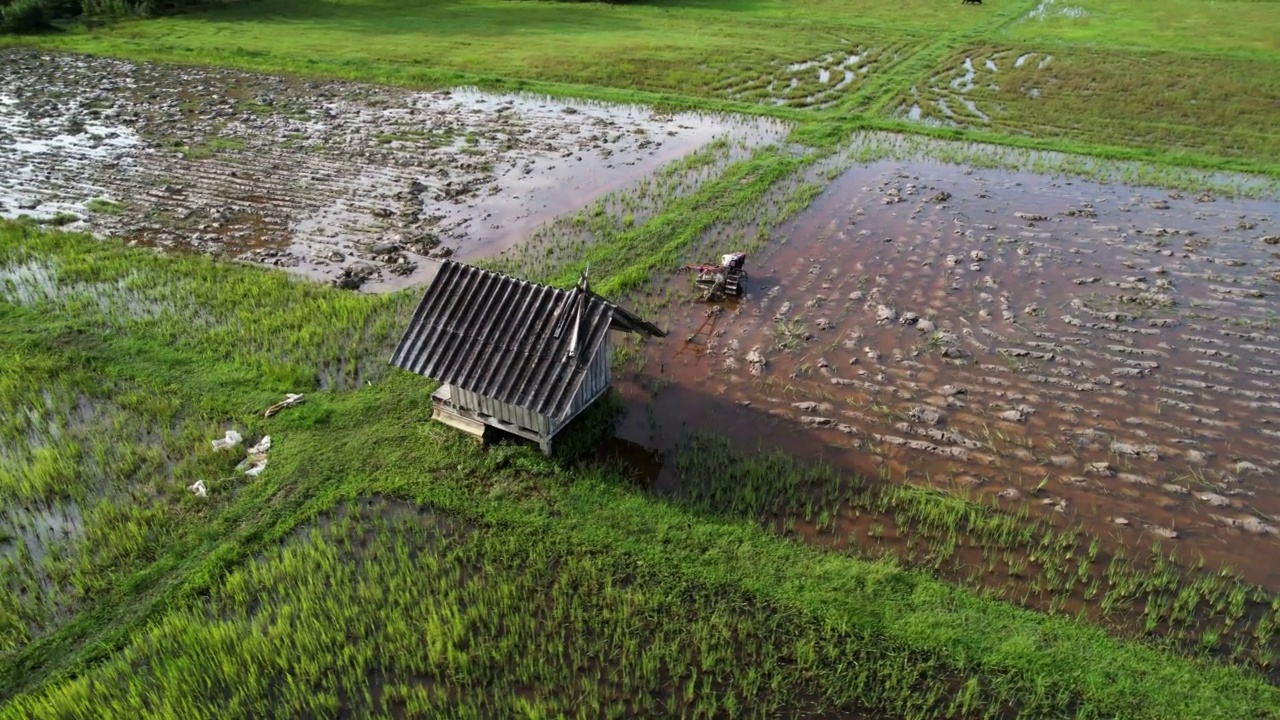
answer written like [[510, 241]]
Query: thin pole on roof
[[577, 320]]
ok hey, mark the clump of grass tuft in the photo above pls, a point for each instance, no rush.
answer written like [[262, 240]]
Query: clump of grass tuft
[[103, 206]]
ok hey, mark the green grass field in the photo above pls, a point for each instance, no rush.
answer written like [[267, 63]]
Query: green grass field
[[1243, 27], [278, 595], [1223, 108], [679, 48], [383, 565], [1212, 61]]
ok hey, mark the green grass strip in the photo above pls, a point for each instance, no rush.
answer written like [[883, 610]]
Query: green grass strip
[[630, 260]]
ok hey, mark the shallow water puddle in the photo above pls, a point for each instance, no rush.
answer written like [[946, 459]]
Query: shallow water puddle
[[1116, 348], [315, 176], [1050, 8], [27, 282], [38, 528], [964, 82], [949, 89], [819, 82], [33, 282], [29, 144]]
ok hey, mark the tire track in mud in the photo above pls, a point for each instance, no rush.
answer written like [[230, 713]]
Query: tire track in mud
[[347, 182], [819, 82], [948, 93], [1108, 353], [879, 96]]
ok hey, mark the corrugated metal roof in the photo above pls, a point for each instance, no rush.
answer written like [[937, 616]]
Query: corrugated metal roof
[[507, 338]]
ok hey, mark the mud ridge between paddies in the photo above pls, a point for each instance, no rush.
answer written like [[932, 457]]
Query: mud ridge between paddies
[[347, 182]]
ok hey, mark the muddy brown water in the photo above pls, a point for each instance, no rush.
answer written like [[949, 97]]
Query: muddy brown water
[[312, 176], [1117, 348]]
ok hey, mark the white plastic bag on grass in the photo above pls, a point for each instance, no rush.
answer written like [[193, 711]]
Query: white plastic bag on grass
[[231, 440], [253, 465]]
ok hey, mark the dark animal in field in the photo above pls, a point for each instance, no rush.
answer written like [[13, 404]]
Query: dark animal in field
[[972, 2]]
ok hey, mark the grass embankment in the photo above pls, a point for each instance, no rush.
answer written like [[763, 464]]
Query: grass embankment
[[1214, 69], [146, 358], [625, 257]]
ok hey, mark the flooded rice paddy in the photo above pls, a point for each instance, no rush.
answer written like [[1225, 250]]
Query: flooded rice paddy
[[339, 181], [1108, 354]]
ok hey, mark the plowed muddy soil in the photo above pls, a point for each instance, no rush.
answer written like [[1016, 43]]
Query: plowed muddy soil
[[1109, 354], [340, 181]]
